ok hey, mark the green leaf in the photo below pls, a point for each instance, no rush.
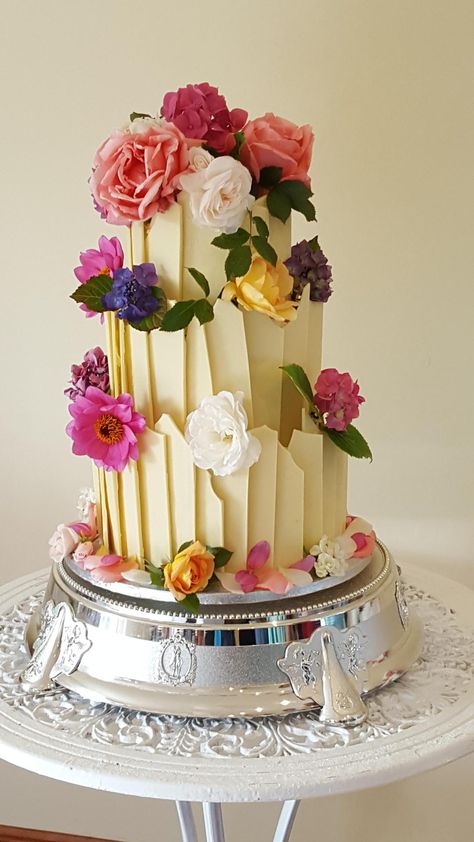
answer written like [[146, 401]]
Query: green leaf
[[190, 603], [137, 115], [351, 441], [204, 311], [279, 204], [239, 140], [261, 226], [157, 574], [185, 546], [299, 379], [200, 279], [154, 320], [221, 555], [298, 195], [238, 262], [179, 316], [269, 176], [231, 241], [91, 293], [265, 250]]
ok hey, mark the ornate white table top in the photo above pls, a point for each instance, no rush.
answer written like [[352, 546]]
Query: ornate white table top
[[422, 721]]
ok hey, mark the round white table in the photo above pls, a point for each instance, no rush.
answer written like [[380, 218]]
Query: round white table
[[423, 720]]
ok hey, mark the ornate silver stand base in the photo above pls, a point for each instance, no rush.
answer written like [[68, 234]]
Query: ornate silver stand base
[[323, 649]]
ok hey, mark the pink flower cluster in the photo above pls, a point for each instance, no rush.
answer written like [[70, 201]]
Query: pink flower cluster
[[337, 398], [201, 112]]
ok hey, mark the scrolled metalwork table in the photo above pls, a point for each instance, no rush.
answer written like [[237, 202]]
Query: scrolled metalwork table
[[422, 721]]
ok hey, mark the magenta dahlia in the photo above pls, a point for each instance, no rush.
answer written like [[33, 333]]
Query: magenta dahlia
[[105, 428]]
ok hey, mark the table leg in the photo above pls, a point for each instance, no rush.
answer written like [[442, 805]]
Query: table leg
[[186, 821], [213, 823], [286, 821]]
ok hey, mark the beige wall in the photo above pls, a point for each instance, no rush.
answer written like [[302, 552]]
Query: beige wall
[[387, 87]]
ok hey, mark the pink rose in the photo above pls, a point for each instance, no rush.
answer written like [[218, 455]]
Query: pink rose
[[85, 548], [271, 141], [62, 542], [136, 173]]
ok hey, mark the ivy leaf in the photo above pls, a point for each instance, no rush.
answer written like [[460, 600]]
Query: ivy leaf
[[238, 262], [269, 176], [300, 381], [190, 603], [351, 441], [91, 293], [179, 316], [221, 555], [204, 311], [185, 546], [137, 115], [200, 279], [154, 320], [157, 574], [265, 250], [261, 226], [279, 204], [231, 241], [299, 196], [239, 140]]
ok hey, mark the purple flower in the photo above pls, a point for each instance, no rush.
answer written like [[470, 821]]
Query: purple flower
[[308, 264], [131, 294], [93, 371]]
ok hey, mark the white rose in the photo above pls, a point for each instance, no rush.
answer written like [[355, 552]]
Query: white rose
[[219, 194], [62, 543], [217, 434], [199, 158], [142, 124]]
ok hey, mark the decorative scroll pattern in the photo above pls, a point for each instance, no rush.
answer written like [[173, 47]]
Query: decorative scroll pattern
[[441, 677]]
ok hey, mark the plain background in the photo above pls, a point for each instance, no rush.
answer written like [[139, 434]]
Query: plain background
[[388, 88]]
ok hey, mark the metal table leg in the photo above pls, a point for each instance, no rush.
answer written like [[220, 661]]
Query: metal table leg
[[286, 821], [186, 822], [213, 823]]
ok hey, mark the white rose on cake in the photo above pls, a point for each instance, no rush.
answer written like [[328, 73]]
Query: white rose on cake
[[62, 543], [219, 193], [199, 158], [217, 434]]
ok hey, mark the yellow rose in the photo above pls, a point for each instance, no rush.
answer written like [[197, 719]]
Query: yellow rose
[[190, 571], [265, 289]]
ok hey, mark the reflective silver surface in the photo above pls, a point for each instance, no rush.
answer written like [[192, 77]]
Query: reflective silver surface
[[158, 658]]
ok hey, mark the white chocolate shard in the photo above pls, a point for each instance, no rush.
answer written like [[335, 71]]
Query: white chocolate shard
[[168, 374], [181, 483], [294, 351], [306, 449], [139, 372], [233, 491], [228, 356], [132, 542], [262, 489], [113, 539], [155, 507], [164, 248], [198, 369], [209, 512], [265, 340], [289, 511]]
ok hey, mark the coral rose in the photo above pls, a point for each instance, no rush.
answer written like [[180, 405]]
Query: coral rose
[[271, 141], [190, 571], [136, 174], [265, 289]]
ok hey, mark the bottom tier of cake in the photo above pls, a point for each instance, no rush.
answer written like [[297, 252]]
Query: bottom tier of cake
[[321, 650]]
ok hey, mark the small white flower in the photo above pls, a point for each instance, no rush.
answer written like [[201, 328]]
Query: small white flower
[[219, 193], [217, 434], [332, 556], [86, 497], [199, 158], [142, 124]]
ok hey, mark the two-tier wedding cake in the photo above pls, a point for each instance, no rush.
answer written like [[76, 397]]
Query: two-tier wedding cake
[[214, 568]]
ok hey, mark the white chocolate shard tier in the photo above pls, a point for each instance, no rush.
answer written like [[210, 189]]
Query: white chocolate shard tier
[[296, 491]]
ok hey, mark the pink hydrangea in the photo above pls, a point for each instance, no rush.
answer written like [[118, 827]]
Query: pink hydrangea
[[201, 112], [105, 428], [102, 261], [136, 172], [337, 398]]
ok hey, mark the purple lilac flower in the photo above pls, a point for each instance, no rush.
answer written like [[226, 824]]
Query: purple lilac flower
[[131, 294], [308, 264], [93, 371]]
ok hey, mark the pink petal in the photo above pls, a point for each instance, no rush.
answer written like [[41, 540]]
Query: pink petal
[[247, 581], [258, 555], [306, 563], [271, 580]]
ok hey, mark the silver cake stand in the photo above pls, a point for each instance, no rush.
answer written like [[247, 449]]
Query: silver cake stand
[[422, 721]]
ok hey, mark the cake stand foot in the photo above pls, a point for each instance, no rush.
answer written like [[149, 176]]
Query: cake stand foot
[[286, 821], [213, 824], [186, 821]]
